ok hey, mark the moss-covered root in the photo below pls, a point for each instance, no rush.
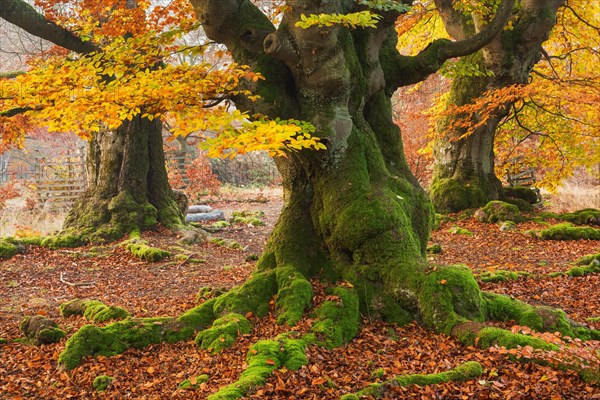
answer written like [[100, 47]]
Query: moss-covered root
[[542, 319], [262, 359], [464, 372], [593, 267], [41, 330], [93, 310], [588, 259], [337, 319], [294, 296], [117, 337], [566, 231], [223, 332], [141, 249]]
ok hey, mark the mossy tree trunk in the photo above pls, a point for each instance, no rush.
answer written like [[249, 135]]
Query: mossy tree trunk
[[128, 185], [353, 212], [464, 169]]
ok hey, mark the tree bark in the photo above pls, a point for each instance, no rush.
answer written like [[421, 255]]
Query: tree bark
[[352, 212], [128, 187], [464, 169]]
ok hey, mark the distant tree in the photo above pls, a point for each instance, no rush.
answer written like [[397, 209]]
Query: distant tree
[[495, 87]]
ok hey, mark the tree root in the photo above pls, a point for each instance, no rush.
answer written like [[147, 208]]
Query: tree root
[[93, 310], [464, 372]]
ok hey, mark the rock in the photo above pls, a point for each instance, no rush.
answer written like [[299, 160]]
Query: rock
[[192, 236], [216, 215]]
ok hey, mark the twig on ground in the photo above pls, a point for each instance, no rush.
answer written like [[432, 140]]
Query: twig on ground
[[88, 283]]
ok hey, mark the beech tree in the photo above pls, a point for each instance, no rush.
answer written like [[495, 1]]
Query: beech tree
[[353, 214], [495, 83], [108, 93]]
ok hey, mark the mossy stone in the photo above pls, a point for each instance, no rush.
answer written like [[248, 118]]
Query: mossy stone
[[589, 216], [93, 310], [521, 193], [457, 230], [498, 211]]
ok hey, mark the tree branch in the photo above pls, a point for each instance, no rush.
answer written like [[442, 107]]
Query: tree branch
[[21, 14], [410, 70], [15, 111]]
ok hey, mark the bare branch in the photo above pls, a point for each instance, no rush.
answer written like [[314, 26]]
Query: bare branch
[[21, 14]]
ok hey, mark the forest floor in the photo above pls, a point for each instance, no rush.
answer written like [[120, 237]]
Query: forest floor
[[40, 280]]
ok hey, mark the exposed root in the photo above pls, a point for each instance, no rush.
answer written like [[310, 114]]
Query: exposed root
[[93, 310], [464, 372]]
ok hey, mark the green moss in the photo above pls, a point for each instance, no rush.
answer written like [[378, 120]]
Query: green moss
[[253, 296], [194, 383], [93, 310], [7, 249], [378, 373], [589, 216], [501, 276], [490, 336], [41, 330], [464, 372], [199, 317], [337, 321], [594, 267], [523, 205], [587, 259], [117, 337], [451, 195], [449, 295], [223, 332], [498, 211], [102, 382], [63, 240], [263, 358], [434, 249], [294, 296], [248, 217], [521, 193], [141, 249], [566, 231], [349, 396], [229, 243], [457, 230], [220, 225]]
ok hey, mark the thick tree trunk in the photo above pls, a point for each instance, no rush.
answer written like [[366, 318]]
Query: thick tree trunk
[[464, 175], [128, 186]]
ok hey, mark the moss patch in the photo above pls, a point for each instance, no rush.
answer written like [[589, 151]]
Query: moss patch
[[253, 296], [566, 231], [263, 358], [501, 276], [587, 259], [294, 295], [498, 211], [229, 243], [223, 332], [102, 382], [451, 195], [117, 337], [457, 230], [141, 249], [8, 249], [521, 193], [590, 216], [194, 383], [464, 372], [337, 320], [248, 218], [592, 268], [93, 310]]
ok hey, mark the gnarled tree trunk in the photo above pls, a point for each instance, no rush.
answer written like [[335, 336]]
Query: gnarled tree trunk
[[128, 186], [464, 169], [354, 211]]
